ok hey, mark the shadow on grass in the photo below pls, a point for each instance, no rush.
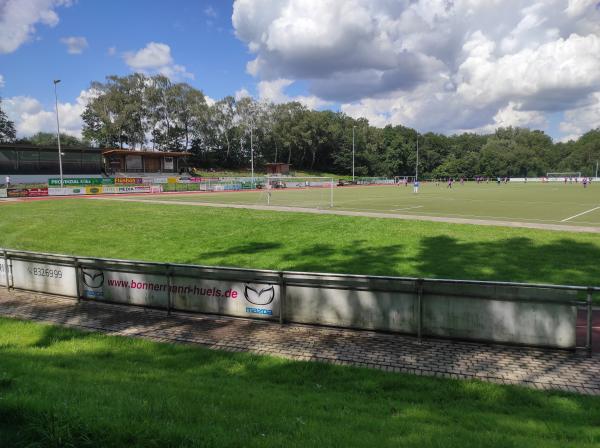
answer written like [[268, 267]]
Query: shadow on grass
[[151, 394], [563, 261]]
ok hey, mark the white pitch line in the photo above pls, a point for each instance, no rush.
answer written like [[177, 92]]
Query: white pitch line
[[579, 214], [406, 208]]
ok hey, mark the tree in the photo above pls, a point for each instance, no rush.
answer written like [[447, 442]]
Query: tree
[[8, 133]]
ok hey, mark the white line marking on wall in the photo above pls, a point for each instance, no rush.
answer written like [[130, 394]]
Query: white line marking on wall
[[579, 214]]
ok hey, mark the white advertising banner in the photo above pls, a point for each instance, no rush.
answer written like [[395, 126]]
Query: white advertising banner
[[187, 294], [67, 191], [3, 193], [44, 277], [128, 189]]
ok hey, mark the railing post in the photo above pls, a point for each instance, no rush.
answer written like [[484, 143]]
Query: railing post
[[169, 288], [6, 268], [78, 279], [282, 294], [589, 323], [420, 309]]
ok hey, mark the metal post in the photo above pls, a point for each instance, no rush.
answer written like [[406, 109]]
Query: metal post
[[252, 154], [77, 279], [420, 309], [169, 287], [56, 81], [282, 294], [331, 194], [596, 169], [353, 127], [589, 323], [6, 270], [417, 166]]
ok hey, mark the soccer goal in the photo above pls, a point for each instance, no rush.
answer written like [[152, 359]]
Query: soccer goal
[[562, 176], [311, 192], [404, 179]]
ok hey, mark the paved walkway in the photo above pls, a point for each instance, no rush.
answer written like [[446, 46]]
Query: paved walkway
[[390, 215], [538, 368]]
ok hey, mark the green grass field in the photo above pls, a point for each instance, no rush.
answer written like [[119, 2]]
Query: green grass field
[[551, 203], [299, 241], [65, 388]]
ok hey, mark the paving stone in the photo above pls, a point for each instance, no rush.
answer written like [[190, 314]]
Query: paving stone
[[531, 367]]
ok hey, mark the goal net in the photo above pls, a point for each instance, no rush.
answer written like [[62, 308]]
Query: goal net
[[310, 192], [404, 179], [565, 175]]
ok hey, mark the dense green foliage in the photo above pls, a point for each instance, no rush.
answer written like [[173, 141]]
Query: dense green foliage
[[177, 116], [142, 111], [7, 127], [49, 139], [299, 241], [65, 388]]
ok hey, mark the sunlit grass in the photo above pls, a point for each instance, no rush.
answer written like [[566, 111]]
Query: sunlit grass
[[61, 387]]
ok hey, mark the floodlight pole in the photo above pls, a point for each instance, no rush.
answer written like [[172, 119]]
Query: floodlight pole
[[417, 165], [56, 81], [353, 127], [252, 153]]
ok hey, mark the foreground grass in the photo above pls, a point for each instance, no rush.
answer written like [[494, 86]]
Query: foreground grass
[[296, 241], [61, 387]]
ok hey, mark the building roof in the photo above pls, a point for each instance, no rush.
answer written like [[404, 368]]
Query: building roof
[[29, 147], [128, 152]]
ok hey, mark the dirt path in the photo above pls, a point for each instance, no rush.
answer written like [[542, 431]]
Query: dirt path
[[480, 222]]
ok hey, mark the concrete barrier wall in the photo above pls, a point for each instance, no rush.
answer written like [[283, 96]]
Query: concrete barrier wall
[[539, 315]]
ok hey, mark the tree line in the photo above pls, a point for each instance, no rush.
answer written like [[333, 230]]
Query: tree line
[[139, 111]]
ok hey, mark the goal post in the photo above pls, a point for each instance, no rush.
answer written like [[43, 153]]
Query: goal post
[[575, 174], [300, 191]]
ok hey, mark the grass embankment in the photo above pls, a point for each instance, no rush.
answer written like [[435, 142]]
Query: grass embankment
[[61, 387], [296, 241]]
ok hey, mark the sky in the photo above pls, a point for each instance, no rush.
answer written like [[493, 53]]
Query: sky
[[435, 65]]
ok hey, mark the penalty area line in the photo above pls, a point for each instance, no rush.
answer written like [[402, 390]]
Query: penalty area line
[[579, 214]]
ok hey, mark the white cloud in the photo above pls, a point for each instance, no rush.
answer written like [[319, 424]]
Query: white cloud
[[156, 57], [435, 64], [111, 51], [578, 121], [2, 81], [242, 93], [274, 92], [31, 117], [18, 20], [75, 44]]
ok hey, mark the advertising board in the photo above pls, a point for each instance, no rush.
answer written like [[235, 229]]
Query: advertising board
[[44, 277], [128, 189], [3, 269], [94, 190], [129, 180], [3, 193], [204, 295], [67, 191], [79, 181]]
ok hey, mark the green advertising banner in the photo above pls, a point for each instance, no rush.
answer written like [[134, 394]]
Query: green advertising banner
[[81, 181]]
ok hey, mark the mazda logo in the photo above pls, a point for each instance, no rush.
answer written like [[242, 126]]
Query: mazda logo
[[262, 297], [92, 278]]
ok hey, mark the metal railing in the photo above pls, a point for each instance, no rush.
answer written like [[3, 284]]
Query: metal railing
[[420, 287]]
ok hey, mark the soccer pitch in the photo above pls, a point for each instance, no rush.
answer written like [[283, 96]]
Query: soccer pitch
[[549, 203]]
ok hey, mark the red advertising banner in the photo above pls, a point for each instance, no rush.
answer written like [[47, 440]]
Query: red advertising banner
[[27, 192], [36, 192], [129, 180]]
